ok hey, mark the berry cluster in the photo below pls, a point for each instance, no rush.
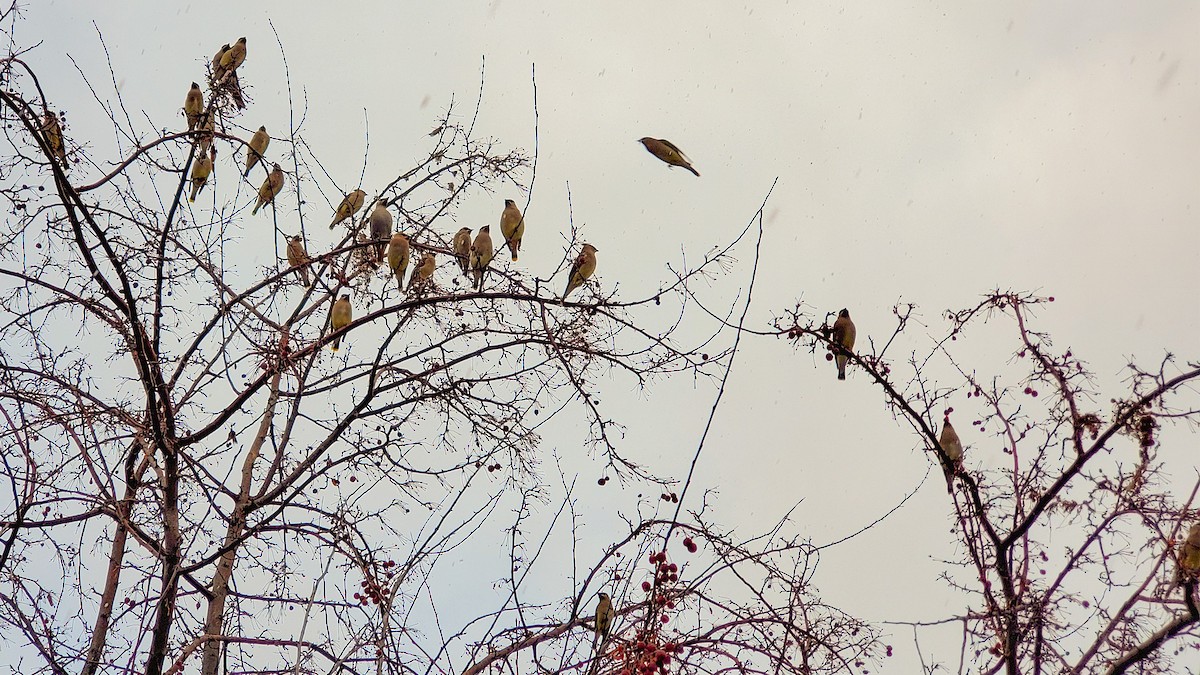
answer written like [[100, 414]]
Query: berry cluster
[[650, 651], [375, 590]]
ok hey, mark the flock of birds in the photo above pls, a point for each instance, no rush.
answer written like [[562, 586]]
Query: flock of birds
[[473, 254]]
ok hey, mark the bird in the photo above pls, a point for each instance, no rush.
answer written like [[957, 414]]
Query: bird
[[216, 62], [206, 128], [668, 152], [461, 245], [952, 447], [350, 205], [604, 616], [581, 269], [340, 316], [481, 254], [193, 105], [843, 339], [270, 187], [298, 257], [422, 273], [52, 131], [381, 228], [398, 252], [201, 169], [1189, 555], [512, 226], [258, 145], [234, 56]]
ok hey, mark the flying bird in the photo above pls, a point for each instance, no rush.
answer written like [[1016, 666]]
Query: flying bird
[[257, 146], [843, 339], [461, 245], [201, 169], [298, 257], [398, 252], [340, 316], [381, 228], [270, 187], [581, 269], [512, 226], [482, 253], [350, 205], [668, 152], [954, 453], [193, 105]]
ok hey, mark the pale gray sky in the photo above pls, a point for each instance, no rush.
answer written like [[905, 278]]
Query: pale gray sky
[[926, 152]]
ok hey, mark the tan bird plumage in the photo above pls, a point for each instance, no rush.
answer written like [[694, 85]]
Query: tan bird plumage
[[398, 254], [482, 253], [52, 131], [422, 273], [233, 57], [216, 62], [581, 269], [350, 205], [667, 152], [201, 169], [512, 226], [206, 127], [298, 257], [844, 333], [270, 187], [604, 616], [381, 228], [193, 105], [257, 146], [340, 316], [1189, 554], [952, 446], [461, 245]]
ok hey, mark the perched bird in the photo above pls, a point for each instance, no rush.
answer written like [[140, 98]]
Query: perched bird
[[843, 339], [1189, 555], [954, 453], [604, 616], [381, 228], [270, 187], [52, 131], [298, 257], [258, 145], [216, 62], [481, 254], [462, 248], [350, 205], [233, 57], [667, 152], [512, 226], [201, 169], [581, 269], [193, 105], [397, 255], [207, 128], [340, 316], [422, 273]]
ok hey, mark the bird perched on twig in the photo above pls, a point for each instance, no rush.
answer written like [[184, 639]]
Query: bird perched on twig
[[298, 257], [422, 273], [482, 253], [398, 252], [340, 316], [52, 131], [604, 617], [257, 146], [461, 245], [201, 169], [193, 105], [581, 269], [512, 226], [229, 59], [1188, 566], [350, 205], [668, 152], [381, 228], [843, 340], [270, 187], [954, 453]]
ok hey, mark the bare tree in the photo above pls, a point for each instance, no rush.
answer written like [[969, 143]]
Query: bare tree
[[1069, 536], [195, 478]]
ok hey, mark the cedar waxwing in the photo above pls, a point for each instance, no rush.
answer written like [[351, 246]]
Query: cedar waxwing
[[258, 145], [1189, 555], [843, 339], [201, 168], [234, 56], [512, 226], [340, 316], [298, 257], [397, 255], [350, 205], [481, 254], [193, 105], [206, 126], [954, 452], [604, 616], [422, 273], [381, 228], [462, 248], [52, 131], [581, 269], [667, 152], [270, 187], [216, 62]]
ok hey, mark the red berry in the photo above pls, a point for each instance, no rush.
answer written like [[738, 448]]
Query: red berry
[[646, 586]]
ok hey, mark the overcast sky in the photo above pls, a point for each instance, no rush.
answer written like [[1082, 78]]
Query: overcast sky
[[925, 151]]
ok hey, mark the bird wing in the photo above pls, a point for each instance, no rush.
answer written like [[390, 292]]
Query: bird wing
[[675, 148]]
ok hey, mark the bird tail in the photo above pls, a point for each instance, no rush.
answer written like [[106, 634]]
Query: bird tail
[[304, 275], [841, 366], [689, 168], [254, 210]]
